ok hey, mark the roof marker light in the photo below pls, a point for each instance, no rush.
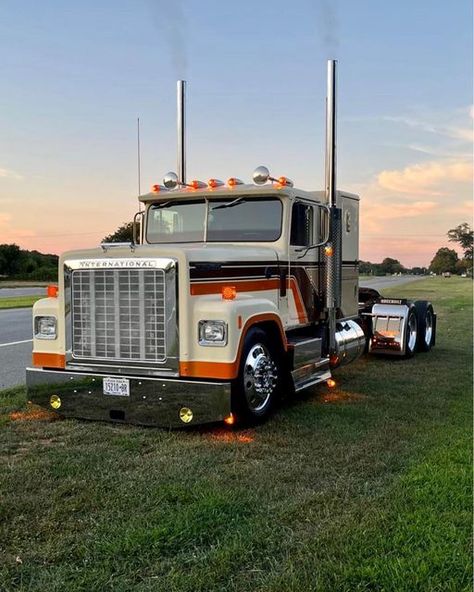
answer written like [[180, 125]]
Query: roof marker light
[[213, 183], [233, 181], [285, 182], [157, 188], [195, 184]]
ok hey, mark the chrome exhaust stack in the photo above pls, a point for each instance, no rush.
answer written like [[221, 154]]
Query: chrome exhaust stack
[[333, 249], [181, 129]]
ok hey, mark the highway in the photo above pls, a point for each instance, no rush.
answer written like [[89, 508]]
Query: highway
[[379, 283], [16, 328], [15, 345]]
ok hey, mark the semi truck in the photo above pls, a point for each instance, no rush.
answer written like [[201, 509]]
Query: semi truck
[[230, 296]]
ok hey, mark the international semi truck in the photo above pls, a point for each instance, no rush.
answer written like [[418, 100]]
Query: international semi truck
[[229, 296]]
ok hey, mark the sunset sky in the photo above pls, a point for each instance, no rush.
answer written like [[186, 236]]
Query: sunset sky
[[75, 76]]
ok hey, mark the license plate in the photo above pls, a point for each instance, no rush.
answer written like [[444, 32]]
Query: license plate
[[117, 386]]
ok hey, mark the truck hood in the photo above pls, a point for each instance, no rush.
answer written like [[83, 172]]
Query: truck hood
[[184, 253]]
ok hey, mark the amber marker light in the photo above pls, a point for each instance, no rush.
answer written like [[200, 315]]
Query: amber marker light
[[195, 184], [328, 250], [155, 188], [331, 383], [52, 291], [233, 181], [230, 419], [229, 292], [213, 183]]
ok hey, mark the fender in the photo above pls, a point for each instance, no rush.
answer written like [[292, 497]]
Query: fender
[[230, 370]]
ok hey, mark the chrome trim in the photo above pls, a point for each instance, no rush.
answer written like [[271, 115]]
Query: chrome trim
[[169, 266], [350, 342], [389, 326], [181, 128], [39, 335], [152, 401], [207, 343]]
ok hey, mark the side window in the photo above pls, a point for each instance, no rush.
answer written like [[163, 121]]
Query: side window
[[302, 220]]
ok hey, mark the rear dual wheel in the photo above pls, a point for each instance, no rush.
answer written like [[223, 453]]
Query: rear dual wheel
[[426, 325], [421, 328]]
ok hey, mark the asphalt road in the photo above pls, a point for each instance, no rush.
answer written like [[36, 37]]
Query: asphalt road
[[16, 328], [15, 345], [379, 283]]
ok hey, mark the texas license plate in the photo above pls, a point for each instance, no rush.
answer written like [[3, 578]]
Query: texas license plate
[[117, 386]]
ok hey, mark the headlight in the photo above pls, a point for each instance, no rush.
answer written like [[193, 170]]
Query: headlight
[[45, 328], [212, 333]]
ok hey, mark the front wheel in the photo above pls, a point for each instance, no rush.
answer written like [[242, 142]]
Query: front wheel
[[256, 388]]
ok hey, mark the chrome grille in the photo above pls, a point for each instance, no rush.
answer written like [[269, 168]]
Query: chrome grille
[[119, 314]]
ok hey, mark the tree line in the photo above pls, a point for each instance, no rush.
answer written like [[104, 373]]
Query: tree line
[[16, 263], [20, 264], [444, 260]]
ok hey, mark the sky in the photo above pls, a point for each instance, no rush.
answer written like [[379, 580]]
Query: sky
[[76, 75]]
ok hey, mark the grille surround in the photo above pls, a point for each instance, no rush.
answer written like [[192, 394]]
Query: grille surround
[[154, 306]]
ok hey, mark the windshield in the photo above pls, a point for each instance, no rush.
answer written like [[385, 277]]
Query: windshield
[[229, 220]]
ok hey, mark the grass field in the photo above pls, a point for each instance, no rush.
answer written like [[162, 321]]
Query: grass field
[[18, 301], [366, 487]]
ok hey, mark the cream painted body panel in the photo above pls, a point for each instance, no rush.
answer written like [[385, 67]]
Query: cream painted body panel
[[193, 308]]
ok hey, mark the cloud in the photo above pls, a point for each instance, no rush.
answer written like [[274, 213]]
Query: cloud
[[450, 130], [427, 178], [9, 174]]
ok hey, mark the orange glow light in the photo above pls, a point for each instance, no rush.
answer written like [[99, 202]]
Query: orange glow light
[[213, 183], [229, 292], [52, 291], [230, 419], [329, 251], [282, 180], [195, 184], [155, 188], [331, 382], [232, 182]]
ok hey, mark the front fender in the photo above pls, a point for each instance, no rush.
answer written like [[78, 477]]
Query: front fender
[[240, 314], [49, 352]]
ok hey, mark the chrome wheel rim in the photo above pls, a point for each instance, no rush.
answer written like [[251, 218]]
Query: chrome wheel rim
[[412, 332], [260, 377], [429, 328]]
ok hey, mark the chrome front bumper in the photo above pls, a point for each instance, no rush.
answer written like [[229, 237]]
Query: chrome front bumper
[[152, 401]]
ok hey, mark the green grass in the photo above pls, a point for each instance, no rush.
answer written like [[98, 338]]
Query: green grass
[[363, 488], [19, 301]]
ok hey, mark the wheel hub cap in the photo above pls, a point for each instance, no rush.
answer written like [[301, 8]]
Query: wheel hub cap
[[260, 377]]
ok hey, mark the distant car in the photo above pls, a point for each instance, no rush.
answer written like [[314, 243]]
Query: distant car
[[463, 274], [446, 274]]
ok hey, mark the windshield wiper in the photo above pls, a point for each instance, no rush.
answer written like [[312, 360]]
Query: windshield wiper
[[161, 205], [231, 204]]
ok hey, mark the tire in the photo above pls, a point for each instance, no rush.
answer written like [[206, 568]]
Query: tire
[[426, 325], [257, 387], [411, 333]]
